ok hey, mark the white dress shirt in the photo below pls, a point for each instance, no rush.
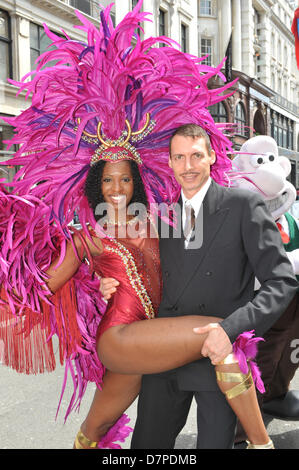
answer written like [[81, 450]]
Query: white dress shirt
[[196, 202]]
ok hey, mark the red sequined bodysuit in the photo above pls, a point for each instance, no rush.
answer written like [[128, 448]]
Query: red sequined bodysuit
[[135, 263]]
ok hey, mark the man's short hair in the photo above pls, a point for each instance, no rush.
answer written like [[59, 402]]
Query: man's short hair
[[194, 131]]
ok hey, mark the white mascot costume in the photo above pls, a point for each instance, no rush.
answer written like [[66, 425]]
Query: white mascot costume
[[259, 168]]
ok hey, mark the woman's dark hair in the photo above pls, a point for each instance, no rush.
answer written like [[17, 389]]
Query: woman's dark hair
[[93, 186]]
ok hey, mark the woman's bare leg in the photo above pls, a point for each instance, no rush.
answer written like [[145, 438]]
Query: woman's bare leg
[[244, 403], [151, 346], [162, 344], [117, 394]]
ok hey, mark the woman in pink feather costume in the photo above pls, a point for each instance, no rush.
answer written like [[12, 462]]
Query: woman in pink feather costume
[[102, 100]]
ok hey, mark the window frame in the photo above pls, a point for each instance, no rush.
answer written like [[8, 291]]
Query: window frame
[[206, 8], [133, 4], [162, 14], [242, 131], [74, 4], [220, 114], [8, 42], [184, 37], [39, 50], [208, 60]]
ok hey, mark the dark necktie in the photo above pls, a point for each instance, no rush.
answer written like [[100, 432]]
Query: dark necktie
[[190, 219]]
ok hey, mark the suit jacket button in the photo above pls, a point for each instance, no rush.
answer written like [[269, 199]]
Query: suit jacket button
[[167, 273], [208, 273]]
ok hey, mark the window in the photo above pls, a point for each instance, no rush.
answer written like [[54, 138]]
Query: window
[[206, 48], [240, 119], [5, 47], [282, 131], [218, 112], [273, 45], [279, 51], [205, 7], [39, 43], [184, 37], [291, 137], [82, 5], [6, 133], [162, 23]]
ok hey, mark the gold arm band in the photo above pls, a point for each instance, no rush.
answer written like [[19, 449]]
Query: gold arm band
[[246, 382], [230, 376], [82, 442]]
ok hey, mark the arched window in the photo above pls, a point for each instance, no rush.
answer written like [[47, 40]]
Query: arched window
[[240, 119], [259, 123], [218, 112]]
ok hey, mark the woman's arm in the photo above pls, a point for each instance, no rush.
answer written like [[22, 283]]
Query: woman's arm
[[72, 260], [68, 267]]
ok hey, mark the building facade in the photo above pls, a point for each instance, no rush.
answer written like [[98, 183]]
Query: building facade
[[255, 35]]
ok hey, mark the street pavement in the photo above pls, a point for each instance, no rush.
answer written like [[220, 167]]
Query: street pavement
[[28, 406]]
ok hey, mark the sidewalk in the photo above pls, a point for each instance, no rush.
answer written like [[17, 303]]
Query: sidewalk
[[28, 407]]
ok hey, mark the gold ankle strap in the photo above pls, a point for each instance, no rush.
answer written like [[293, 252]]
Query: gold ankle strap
[[269, 445], [245, 382], [82, 442]]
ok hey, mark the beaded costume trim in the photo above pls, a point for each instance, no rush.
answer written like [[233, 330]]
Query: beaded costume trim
[[133, 276]]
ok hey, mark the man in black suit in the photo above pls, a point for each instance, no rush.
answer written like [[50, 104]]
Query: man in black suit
[[234, 240]]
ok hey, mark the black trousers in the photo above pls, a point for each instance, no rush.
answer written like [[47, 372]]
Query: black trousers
[[163, 410]]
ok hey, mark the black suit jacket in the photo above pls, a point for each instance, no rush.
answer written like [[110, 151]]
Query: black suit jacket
[[239, 241]]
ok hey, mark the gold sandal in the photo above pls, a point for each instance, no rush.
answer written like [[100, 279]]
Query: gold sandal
[[269, 445], [82, 442]]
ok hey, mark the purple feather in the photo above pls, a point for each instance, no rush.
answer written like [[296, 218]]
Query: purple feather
[[245, 351]]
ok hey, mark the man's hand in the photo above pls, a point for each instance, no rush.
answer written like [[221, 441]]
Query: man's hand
[[108, 286], [217, 344]]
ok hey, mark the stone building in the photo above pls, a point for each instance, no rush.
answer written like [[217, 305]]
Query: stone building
[[255, 35]]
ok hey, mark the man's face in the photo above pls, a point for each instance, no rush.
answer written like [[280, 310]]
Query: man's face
[[190, 162]]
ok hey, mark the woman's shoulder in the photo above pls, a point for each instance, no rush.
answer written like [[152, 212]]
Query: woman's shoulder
[[87, 238]]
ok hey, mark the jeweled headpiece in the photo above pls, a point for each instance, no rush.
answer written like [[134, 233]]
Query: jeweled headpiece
[[122, 148]]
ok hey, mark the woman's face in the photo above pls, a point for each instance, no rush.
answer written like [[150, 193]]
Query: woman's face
[[117, 184]]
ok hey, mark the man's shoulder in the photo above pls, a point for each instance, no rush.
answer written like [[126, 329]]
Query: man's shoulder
[[239, 196]]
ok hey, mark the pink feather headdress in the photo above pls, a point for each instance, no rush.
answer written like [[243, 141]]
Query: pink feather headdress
[[109, 99]]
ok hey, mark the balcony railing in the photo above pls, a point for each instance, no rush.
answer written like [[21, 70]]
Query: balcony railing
[[90, 7], [281, 101]]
